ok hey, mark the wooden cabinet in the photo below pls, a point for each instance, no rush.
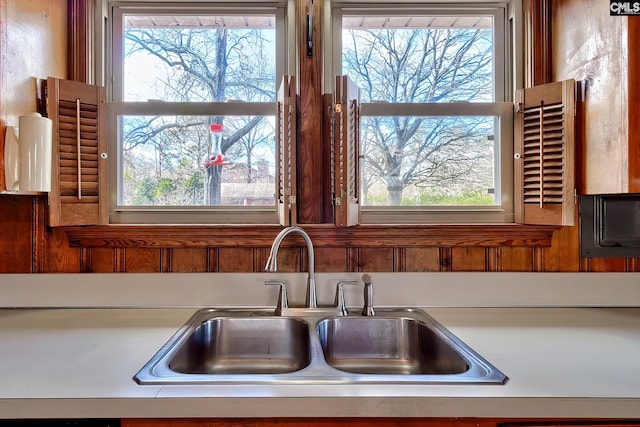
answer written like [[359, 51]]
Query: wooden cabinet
[[571, 424], [367, 422], [312, 422], [601, 52]]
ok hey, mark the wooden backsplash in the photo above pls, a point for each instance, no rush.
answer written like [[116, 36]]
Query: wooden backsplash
[[27, 245]]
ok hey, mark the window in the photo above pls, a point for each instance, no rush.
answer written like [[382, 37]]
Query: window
[[193, 113], [436, 127]]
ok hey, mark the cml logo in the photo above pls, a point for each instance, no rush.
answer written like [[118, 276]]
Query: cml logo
[[624, 8]]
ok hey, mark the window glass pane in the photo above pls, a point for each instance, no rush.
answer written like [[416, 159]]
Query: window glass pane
[[420, 58], [197, 161], [199, 58], [426, 161]]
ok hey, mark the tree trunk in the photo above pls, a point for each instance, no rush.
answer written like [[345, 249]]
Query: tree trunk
[[394, 181], [212, 185], [395, 195]]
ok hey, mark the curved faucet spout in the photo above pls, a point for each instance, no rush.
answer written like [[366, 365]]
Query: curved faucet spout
[[272, 261]]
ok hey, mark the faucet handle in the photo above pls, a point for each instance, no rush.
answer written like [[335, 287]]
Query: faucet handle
[[283, 301], [339, 300]]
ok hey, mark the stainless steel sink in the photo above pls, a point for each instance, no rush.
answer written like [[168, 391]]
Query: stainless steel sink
[[315, 346], [388, 345], [239, 345]]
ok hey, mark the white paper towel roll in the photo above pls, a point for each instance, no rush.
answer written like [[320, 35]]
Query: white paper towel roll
[[35, 153]]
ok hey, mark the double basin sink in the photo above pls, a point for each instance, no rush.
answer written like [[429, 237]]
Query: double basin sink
[[314, 346]]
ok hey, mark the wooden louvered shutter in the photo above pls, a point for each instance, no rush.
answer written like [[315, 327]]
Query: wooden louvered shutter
[[346, 140], [544, 154], [79, 161], [286, 151]]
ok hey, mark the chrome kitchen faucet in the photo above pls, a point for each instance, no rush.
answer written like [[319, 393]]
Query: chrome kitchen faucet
[[272, 262]]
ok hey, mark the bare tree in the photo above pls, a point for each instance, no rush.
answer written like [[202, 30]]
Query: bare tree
[[413, 66], [203, 65], [248, 144]]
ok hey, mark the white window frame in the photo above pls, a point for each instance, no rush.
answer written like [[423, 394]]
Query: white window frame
[[117, 107], [508, 77]]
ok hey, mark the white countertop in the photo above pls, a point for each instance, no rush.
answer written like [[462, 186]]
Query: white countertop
[[562, 362]]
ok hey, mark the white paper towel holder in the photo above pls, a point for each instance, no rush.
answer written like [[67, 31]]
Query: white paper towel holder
[[35, 153]]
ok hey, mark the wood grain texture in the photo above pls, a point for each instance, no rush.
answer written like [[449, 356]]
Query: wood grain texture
[[515, 259], [80, 50], [290, 259], [142, 260], [607, 264], [510, 235], [213, 259], [231, 260], [374, 259], [564, 252], [103, 260], [23, 225], [373, 422], [492, 259], [633, 87], [597, 49], [421, 259], [544, 138], [75, 201], [312, 422], [189, 260], [310, 142], [537, 29], [569, 423], [331, 259], [3, 130], [16, 251], [468, 259], [62, 257], [327, 178], [286, 151], [40, 235]]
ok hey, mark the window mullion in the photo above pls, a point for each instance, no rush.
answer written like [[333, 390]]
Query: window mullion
[[436, 109], [195, 108]]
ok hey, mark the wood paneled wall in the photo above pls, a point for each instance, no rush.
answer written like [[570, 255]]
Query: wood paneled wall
[[27, 245]]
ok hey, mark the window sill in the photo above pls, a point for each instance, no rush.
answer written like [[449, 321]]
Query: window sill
[[323, 235]]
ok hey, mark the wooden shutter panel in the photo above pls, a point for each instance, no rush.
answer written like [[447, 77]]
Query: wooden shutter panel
[[286, 151], [544, 154], [78, 188], [346, 140]]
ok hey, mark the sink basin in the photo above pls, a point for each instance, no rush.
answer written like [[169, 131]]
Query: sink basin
[[398, 345], [238, 345], [315, 346]]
